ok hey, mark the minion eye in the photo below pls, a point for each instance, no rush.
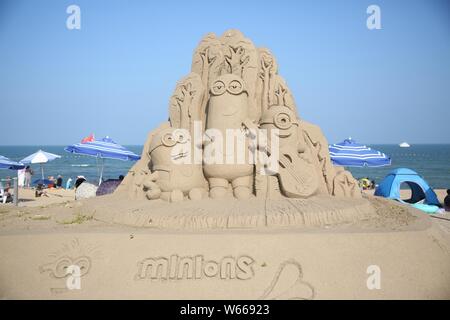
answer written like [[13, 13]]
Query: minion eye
[[180, 136], [235, 87], [283, 121], [168, 140], [218, 88]]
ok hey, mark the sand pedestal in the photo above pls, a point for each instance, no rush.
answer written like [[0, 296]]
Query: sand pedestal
[[324, 262]]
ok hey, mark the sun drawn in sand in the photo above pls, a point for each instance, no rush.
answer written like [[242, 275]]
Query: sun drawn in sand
[[71, 253]]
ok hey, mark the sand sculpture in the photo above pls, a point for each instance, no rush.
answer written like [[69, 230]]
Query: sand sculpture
[[235, 87], [233, 228]]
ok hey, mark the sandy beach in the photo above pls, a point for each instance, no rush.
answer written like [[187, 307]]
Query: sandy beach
[[321, 247], [59, 207], [28, 199], [405, 193], [59, 210], [43, 234]]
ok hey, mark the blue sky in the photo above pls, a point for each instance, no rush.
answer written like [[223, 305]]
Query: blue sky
[[378, 86]]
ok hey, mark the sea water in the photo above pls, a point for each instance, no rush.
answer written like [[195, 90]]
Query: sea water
[[69, 165], [431, 161]]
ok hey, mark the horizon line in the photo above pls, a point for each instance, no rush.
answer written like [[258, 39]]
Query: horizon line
[[134, 144]]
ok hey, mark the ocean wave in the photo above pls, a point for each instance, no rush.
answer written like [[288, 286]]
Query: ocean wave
[[81, 165]]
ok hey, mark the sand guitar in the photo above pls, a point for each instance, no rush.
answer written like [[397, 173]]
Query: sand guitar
[[296, 175]]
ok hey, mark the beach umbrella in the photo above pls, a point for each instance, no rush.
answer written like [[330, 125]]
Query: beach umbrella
[[108, 187], [349, 153], [102, 149], [40, 157], [5, 163], [43, 181]]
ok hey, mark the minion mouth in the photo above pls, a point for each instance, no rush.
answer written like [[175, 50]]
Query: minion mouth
[[233, 112], [180, 155], [283, 135]]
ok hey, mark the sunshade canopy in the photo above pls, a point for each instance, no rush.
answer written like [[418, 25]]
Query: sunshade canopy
[[40, 157], [6, 163], [348, 153], [104, 148]]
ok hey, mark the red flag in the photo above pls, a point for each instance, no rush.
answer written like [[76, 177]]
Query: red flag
[[89, 138]]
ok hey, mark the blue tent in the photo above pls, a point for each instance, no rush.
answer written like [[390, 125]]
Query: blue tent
[[389, 187]]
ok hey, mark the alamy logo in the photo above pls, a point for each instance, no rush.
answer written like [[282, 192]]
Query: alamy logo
[[374, 279], [247, 145], [195, 268], [73, 21], [373, 21], [73, 282]]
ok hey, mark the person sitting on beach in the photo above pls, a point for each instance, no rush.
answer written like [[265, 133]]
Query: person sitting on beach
[[59, 181], [40, 191], [447, 201], [8, 182], [6, 196], [51, 183], [364, 183], [79, 181]]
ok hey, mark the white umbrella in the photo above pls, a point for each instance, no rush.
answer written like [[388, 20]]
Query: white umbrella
[[40, 157]]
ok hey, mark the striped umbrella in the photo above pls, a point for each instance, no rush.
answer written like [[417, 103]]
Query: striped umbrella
[[5, 163], [348, 153], [102, 149], [108, 187]]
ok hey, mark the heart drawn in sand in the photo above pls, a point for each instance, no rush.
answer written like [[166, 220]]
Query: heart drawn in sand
[[288, 284]]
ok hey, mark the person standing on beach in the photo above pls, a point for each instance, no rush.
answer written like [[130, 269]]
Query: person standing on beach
[[59, 181], [69, 184], [28, 174], [21, 177]]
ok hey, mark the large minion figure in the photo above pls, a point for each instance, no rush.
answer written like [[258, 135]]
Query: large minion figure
[[227, 110], [174, 175]]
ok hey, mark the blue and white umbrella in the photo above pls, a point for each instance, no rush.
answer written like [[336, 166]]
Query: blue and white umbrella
[[102, 149], [40, 157], [6, 163], [348, 153]]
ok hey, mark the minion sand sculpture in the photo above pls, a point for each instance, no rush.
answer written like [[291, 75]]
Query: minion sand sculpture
[[209, 222], [234, 87]]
